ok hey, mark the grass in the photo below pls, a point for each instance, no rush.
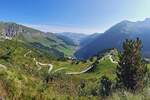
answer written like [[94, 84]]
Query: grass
[[22, 80], [69, 51]]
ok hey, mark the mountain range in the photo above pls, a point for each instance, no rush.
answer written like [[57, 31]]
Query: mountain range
[[77, 38], [114, 37], [46, 42], [66, 43]]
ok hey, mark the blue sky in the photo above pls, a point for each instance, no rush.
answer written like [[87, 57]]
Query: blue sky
[[83, 16]]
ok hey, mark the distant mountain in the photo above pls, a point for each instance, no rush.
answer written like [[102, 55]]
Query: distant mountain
[[75, 37], [66, 39], [89, 39], [114, 37], [38, 39]]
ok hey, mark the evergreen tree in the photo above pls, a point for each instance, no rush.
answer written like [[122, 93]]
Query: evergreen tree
[[131, 70]]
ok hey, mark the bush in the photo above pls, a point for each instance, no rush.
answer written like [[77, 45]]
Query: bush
[[105, 89]]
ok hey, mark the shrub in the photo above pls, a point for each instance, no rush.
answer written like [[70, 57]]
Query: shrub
[[105, 88]]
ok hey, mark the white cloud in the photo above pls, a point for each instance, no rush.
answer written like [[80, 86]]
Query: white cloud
[[62, 28]]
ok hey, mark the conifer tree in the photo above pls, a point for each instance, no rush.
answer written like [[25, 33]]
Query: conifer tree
[[131, 70]]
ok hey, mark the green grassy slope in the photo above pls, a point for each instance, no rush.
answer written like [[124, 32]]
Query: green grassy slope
[[33, 36], [23, 80]]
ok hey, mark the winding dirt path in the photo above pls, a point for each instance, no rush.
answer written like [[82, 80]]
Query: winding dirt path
[[3, 66], [39, 64], [62, 68], [25, 55], [110, 57], [84, 71], [50, 66]]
